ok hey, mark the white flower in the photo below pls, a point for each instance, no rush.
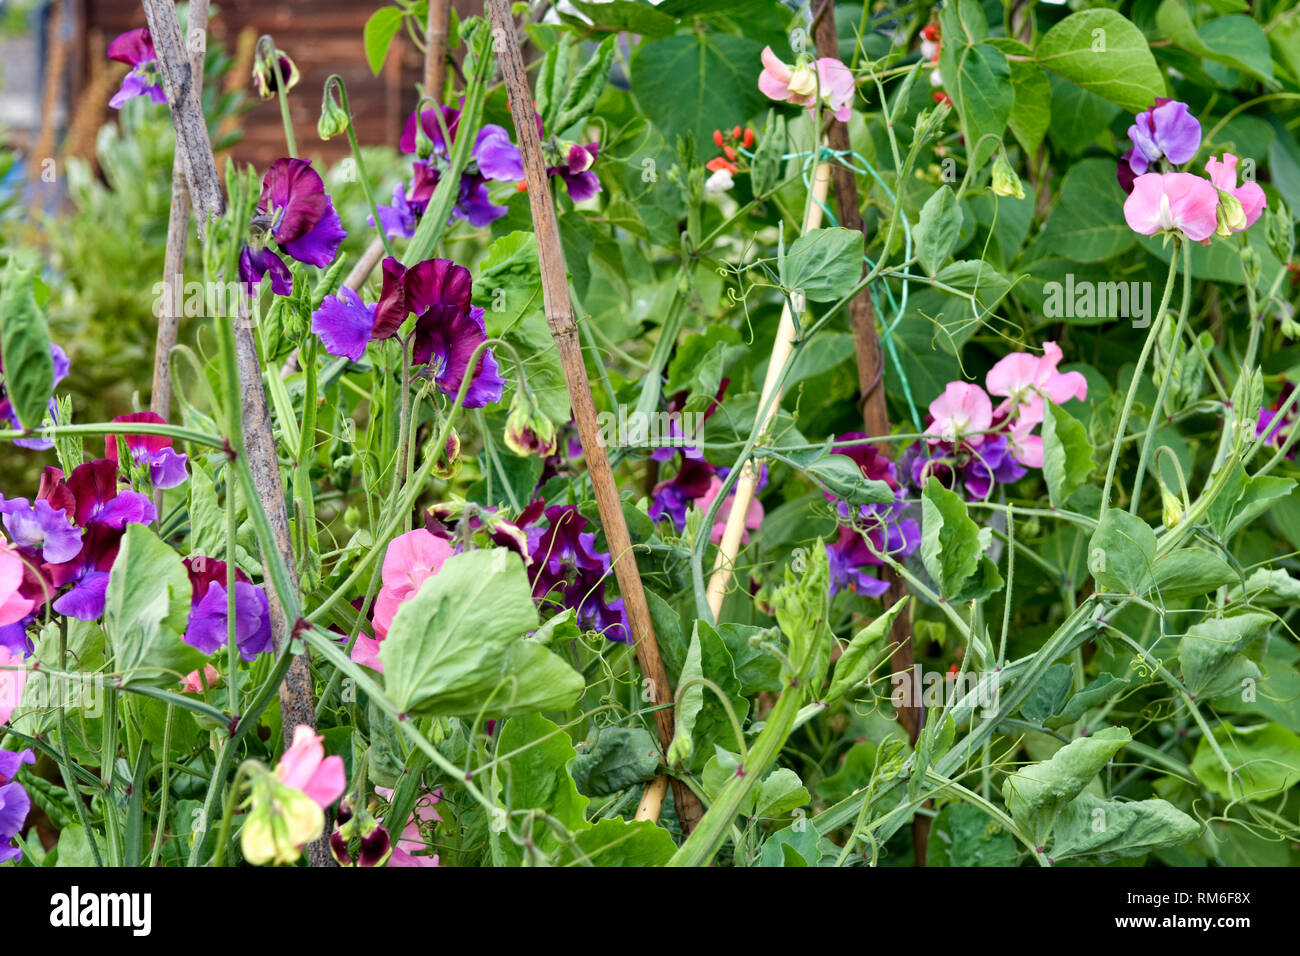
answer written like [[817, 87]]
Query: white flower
[[719, 182]]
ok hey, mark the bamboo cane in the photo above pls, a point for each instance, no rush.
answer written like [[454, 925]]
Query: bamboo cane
[[559, 317], [768, 403]]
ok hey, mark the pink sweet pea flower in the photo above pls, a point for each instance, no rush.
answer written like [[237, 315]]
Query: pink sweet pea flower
[[1173, 201], [753, 519], [193, 684], [961, 409], [13, 606], [412, 839], [411, 559], [802, 84], [1025, 380], [305, 767], [1223, 174]]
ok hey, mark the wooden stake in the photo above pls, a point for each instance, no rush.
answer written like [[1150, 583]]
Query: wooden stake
[[770, 399], [259, 441], [559, 317]]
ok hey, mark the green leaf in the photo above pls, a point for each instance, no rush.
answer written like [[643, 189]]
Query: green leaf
[[1121, 553], [621, 757], [840, 476], [802, 611], [964, 835], [781, 792], [952, 547], [74, 848], [1190, 572], [535, 755], [698, 82], [1266, 759], [855, 663], [378, 37], [632, 16], [824, 264], [1031, 105], [1110, 829], [1210, 646], [1087, 224], [626, 843], [977, 75], [1047, 696], [146, 610], [24, 347], [1094, 694], [1036, 794], [581, 94], [938, 230], [702, 719], [459, 645], [1235, 41], [1067, 454], [1102, 52]]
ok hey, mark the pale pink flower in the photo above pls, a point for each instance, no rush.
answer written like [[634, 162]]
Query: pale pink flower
[[1173, 201], [305, 767], [1223, 174], [804, 83], [753, 518], [13, 606], [13, 678], [1025, 380], [192, 684], [963, 408], [412, 840]]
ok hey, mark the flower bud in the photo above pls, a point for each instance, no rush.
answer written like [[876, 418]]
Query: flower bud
[[1173, 507], [803, 80], [264, 74], [280, 822], [1230, 214], [448, 465], [528, 431], [333, 118], [1005, 180]]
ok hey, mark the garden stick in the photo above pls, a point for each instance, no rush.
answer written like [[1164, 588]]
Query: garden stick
[[559, 317], [769, 401], [178, 227], [871, 393], [259, 441]]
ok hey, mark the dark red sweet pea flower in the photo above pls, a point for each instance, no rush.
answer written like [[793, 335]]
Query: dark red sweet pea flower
[[299, 219], [87, 573]]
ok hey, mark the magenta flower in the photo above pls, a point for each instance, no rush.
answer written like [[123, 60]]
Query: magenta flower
[[753, 517], [135, 49], [14, 606], [803, 84], [568, 571], [576, 172], [1223, 175], [1173, 202], [166, 467], [1025, 380], [298, 218], [411, 559], [14, 802], [410, 847]]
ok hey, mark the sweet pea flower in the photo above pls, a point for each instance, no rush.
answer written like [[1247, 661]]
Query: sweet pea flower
[[411, 559], [1025, 380], [1167, 130], [166, 466], [13, 678], [193, 682], [1250, 197], [567, 569], [206, 629], [135, 49], [410, 847], [40, 525], [298, 218], [963, 408], [14, 802], [801, 85], [305, 767], [753, 517], [1173, 202]]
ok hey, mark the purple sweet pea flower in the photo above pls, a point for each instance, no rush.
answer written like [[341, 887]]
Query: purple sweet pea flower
[[1275, 429], [576, 172], [42, 526], [1168, 130], [568, 569], [15, 637], [299, 218], [344, 324], [14, 802], [207, 626], [494, 158], [166, 466], [135, 49], [848, 556], [97, 500], [87, 574], [673, 497]]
